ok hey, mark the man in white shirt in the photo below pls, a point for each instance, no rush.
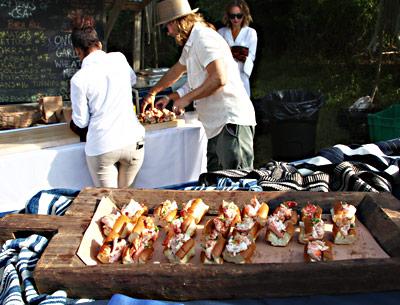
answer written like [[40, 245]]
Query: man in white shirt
[[101, 98], [214, 83]]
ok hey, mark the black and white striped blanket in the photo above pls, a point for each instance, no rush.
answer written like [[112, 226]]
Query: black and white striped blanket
[[18, 257], [364, 168]]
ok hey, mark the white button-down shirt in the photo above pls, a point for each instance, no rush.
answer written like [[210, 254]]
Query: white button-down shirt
[[230, 104], [247, 37], [101, 97]]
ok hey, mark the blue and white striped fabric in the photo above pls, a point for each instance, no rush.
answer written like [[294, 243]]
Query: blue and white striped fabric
[[19, 258], [227, 184], [51, 202]]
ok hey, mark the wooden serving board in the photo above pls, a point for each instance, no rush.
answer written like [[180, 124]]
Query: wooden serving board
[[164, 125], [60, 268], [46, 136], [27, 139]]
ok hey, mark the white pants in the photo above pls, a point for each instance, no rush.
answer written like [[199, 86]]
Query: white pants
[[117, 168]]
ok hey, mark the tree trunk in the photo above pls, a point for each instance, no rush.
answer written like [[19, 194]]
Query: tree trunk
[[377, 42]]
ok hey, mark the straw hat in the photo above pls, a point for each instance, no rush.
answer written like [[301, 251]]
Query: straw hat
[[169, 10]]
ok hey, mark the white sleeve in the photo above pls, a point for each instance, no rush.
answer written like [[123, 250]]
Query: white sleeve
[[185, 89], [252, 45], [80, 107], [209, 48]]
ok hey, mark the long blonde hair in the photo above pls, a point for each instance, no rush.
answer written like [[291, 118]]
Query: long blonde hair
[[247, 19], [185, 25]]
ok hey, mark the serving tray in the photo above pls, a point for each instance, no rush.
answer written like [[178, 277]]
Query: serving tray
[[60, 267], [164, 125]]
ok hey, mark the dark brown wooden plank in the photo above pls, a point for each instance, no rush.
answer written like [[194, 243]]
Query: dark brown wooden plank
[[60, 268], [61, 252], [86, 202], [380, 225], [186, 282], [14, 225]]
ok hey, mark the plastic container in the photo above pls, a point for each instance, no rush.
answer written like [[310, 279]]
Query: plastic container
[[385, 125]]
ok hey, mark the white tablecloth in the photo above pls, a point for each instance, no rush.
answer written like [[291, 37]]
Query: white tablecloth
[[172, 156]]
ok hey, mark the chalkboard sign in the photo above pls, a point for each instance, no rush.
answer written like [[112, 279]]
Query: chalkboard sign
[[36, 52]]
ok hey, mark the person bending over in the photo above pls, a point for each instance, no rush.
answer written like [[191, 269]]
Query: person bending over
[[101, 98]]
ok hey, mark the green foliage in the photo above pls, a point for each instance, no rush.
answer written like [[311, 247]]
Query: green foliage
[[121, 37], [212, 10], [331, 27], [340, 82], [309, 27]]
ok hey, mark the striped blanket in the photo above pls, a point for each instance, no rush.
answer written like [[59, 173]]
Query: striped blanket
[[18, 257], [364, 168], [51, 202]]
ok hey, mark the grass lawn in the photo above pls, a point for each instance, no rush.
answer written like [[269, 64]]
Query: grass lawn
[[340, 83]]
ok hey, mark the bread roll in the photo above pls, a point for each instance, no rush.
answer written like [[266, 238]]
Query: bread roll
[[283, 241], [181, 255], [165, 213], [241, 257], [196, 208], [318, 250], [343, 239]]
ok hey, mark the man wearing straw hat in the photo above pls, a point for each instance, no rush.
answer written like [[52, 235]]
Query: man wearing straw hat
[[214, 82]]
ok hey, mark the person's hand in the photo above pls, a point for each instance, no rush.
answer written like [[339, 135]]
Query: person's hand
[[148, 100], [163, 102], [179, 106]]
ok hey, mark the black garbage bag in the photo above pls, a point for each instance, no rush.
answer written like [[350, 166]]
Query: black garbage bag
[[287, 105], [292, 116], [262, 115], [293, 105]]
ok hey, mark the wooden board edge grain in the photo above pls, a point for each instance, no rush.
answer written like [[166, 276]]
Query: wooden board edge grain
[[189, 282], [164, 125], [61, 252], [36, 138], [85, 204], [381, 225], [13, 225]]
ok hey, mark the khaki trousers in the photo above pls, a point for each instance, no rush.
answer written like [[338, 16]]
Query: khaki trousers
[[116, 168]]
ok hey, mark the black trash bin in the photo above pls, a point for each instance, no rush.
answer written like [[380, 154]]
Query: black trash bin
[[293, 116]]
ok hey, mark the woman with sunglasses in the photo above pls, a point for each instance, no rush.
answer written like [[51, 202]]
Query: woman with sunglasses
[[241, 38]]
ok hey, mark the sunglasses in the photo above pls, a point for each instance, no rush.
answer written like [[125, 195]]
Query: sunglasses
[[233, 16]]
